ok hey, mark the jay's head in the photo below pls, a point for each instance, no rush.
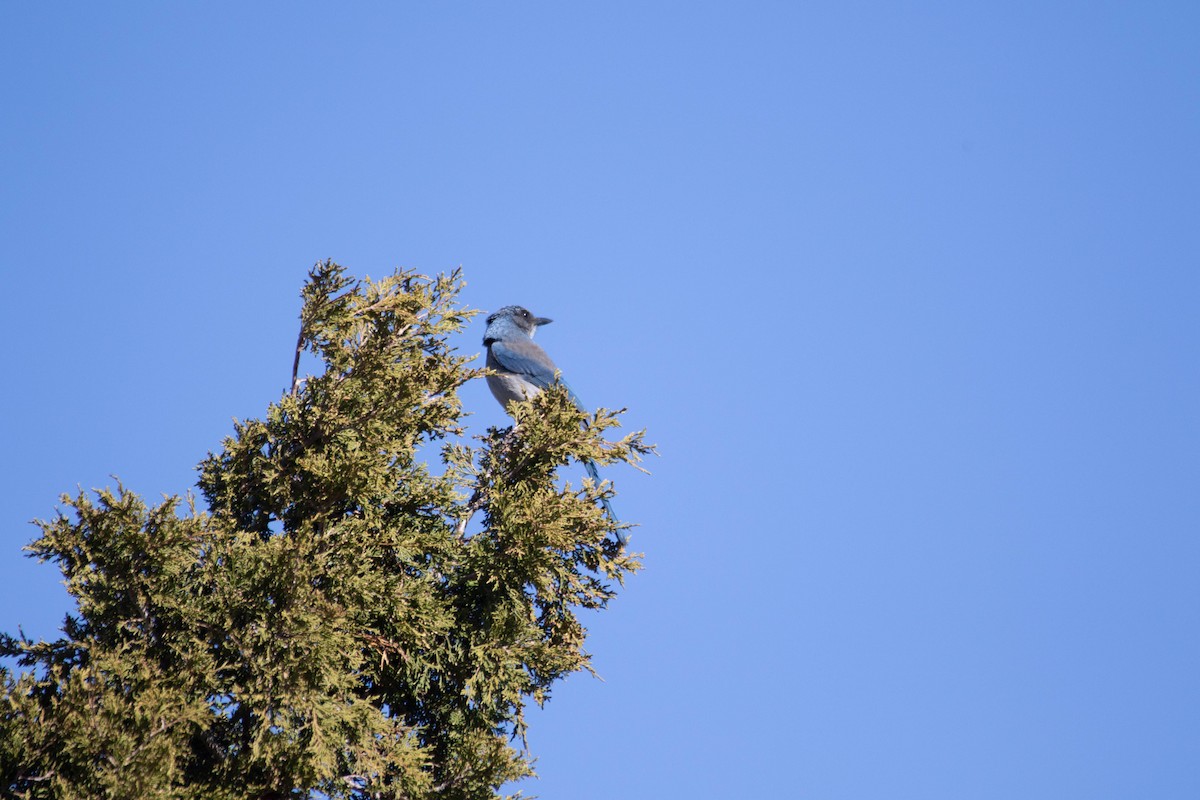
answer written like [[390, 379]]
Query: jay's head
[[510, 320]]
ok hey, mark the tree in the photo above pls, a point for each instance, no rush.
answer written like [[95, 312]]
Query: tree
[[344, 619]]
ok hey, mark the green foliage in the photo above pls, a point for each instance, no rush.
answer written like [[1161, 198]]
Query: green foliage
[[330, 624]]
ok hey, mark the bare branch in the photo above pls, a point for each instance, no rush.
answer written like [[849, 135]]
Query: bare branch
[[296, 361], [472, 506]]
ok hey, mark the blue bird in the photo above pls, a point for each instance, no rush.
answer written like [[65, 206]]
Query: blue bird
[[522, 368]]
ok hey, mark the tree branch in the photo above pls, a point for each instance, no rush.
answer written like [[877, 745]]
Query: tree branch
[[296, 360]]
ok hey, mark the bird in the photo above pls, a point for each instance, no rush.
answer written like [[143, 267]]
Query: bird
[[520, 368]]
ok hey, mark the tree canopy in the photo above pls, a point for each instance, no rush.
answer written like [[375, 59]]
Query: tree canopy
[[364, 605]]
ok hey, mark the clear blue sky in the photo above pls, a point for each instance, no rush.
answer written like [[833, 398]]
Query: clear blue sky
[[907, 294]]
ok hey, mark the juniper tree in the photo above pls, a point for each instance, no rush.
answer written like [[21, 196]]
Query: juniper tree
[[366, 605]]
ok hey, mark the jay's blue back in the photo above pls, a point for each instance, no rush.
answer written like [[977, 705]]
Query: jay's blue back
[[522, 369]]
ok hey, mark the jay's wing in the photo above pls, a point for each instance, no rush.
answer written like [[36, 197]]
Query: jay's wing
[[525, 358]]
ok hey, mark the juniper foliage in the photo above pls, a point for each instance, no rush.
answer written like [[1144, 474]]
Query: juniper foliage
[[345, 619]]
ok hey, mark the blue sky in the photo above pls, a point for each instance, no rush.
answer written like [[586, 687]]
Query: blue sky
[[906, 293]]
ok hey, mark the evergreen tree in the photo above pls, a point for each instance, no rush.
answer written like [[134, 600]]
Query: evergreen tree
[[345, 619]]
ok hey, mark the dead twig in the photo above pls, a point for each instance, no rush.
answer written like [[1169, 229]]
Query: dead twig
[[296, 361]]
